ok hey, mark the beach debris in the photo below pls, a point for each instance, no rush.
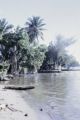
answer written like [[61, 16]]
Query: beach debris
[[13, 109], [41, 109], [3, 106], [26, 115], [6, 106], [12, 87]]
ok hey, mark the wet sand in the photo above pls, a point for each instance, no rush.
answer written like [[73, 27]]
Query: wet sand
[[17, 108]]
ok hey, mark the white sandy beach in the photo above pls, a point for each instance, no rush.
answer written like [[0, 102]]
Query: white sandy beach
[[18, 107]]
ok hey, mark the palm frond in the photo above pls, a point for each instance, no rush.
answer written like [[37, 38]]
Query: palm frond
[[34, 27]]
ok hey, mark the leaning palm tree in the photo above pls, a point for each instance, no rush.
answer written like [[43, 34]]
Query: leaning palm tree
[[34, 27]]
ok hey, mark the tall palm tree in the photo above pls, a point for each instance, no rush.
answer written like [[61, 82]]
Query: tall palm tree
[[35, 27]]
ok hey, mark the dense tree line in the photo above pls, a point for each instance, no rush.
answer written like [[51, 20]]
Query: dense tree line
[[57, 56], [20, 47]]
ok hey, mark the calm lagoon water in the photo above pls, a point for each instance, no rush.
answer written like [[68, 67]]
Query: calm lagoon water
[[57, 93]]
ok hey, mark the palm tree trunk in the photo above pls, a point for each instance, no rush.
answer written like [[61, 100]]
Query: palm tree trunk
[[14, 61]]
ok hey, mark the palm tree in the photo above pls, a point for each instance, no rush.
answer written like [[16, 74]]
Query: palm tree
[[34, 28], [4, 29]]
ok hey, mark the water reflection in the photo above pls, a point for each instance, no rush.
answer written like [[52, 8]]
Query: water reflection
[[59, 93]]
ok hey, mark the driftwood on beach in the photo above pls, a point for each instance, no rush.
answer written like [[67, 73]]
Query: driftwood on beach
[[12, 87]]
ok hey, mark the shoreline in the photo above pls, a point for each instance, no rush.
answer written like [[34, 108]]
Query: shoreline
[[19, 109]]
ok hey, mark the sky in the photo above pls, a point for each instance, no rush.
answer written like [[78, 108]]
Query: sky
[[61, 17]]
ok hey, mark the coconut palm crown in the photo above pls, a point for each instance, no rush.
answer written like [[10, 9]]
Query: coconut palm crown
[[4, 26], [35, 27]]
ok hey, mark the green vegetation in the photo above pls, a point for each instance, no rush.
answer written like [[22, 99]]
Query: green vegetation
[[57, 56], [17, 46], [20, 48]]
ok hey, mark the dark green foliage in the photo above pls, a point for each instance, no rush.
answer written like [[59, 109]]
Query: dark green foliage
[[21, 50], [57, 55], [16, 45]]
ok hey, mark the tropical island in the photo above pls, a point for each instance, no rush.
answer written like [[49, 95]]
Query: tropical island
[[39, 59], [22, 54]]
